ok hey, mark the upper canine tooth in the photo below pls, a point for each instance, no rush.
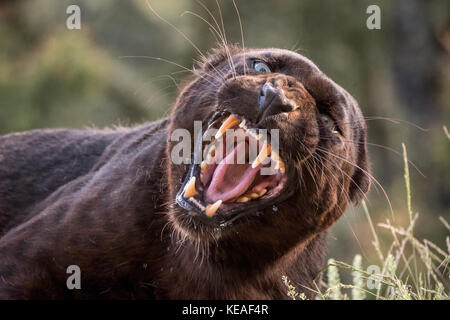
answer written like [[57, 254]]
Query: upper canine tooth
[[230, 122], [263, 154], [262, 192], [190, 191], [280, 165], [277, 164], [212, 208], [275, 156], [242, 124]]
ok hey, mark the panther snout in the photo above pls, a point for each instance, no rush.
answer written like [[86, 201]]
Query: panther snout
[[273, 101]]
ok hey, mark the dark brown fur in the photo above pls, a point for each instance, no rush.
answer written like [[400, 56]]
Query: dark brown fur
[[104, 200]]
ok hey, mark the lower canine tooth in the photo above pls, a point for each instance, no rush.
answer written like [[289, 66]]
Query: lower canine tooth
[[243, 199], [190, 191], [203, 166], [212, 208], [262, 192], [242, 125]]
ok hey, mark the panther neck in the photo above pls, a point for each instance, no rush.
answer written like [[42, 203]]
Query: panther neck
[[230, 270]]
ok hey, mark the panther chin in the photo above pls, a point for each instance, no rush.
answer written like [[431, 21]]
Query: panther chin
[[240, 173]]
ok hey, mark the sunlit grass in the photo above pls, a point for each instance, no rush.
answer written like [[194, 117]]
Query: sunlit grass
[[407, 269]]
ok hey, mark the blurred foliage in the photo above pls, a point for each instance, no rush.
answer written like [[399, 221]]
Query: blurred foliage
[[54, 77]]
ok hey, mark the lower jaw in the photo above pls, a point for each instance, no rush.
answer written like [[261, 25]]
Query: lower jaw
[[198, 226]]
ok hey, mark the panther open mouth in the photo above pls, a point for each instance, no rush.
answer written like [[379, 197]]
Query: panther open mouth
[[236, 170]]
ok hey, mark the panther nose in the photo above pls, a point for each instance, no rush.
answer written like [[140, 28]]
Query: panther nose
[[272, 101]]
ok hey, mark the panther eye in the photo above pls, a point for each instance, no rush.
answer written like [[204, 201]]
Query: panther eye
[[261, 66], [329, 123]]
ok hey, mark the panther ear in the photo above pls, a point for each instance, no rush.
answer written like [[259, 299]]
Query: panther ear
[[360, 183]]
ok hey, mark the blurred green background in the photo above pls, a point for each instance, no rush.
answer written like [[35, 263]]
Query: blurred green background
[[54, 77]]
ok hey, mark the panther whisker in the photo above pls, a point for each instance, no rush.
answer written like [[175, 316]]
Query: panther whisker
[[230, 59], [382, 147], [168, 61], [176, 29], [242, 36], [372, 178]]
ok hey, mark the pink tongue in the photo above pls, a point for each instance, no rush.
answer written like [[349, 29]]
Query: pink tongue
[[231, 180]]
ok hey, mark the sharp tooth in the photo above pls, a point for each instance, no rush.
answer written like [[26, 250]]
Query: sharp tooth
[[277, 165], [265, 151], [280, 166], [203, 166], [212, 208], [275, 157], [243, 199], [242, 125], [262, 192], [190, 191], [230, 122]]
